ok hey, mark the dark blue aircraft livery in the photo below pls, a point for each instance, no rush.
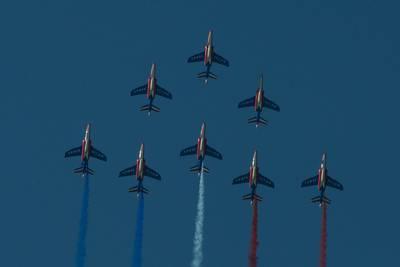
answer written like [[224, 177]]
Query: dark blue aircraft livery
[[141, 170], [201, 149], [253, 177], [208, 57], [86, 150], [322, 180], [151, 89], [259, 101]]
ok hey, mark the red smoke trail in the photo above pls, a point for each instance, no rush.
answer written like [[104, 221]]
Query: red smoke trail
[[322, 256], [254, 239]]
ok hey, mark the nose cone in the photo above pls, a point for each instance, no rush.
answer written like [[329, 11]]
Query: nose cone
[[261, 82], [254, 161], [141, 151], [153, 70], [203, 129], [324, 157], [209, 40], [87, 131]]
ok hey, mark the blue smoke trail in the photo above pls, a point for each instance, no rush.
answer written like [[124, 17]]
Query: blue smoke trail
[[81, 253], [198, 234], [137, 254]]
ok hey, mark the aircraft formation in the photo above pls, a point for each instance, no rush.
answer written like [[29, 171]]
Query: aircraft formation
[[202, 149]]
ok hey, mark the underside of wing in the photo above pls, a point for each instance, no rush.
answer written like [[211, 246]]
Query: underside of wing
[[151, 173], [97, 154], [162, 92], [310, 181], [213, 152], [141, 90], [271, 105], [241, 179], [333, 183], [220, 60], [128, 171], [196, 58], [265, 181], [189, 151], [77, 151], [247, 102]]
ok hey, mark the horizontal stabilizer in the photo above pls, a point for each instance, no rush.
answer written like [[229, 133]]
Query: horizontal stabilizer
[[252, 197], [257, 120], [321, 200], [149, 108], [84, 171], [138, 189], [198, 168], [207, 75]]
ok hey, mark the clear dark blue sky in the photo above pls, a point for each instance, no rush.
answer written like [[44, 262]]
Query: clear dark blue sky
[[332, 66]]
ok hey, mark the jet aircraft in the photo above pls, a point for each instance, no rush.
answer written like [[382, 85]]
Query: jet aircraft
[[140, 169], [86, 150], [208, 57], [151, 89], [322, 180], [201, 149], [253, 177], [259, 101]]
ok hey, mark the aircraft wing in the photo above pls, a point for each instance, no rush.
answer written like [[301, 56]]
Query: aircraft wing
[[271, 105], [213, 153], [77, 151], [247, 102], [241, 179], [265, 181], [128, 171], [162, 92], [220, 60], [196, 58], [310, 181], [189, 151], [333, 183], [97, 154], [141, 90], [151, 173]]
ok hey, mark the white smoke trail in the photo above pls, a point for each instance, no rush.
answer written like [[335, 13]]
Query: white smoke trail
[[198, 234]]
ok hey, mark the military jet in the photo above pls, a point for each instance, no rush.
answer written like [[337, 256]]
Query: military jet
[[322, 180], [208, 57], [151, 89], [259, 101], [201, 149], [140, 169], [86, 150], [253, 177]]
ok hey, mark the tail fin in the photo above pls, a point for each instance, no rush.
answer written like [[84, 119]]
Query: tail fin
[[252, 197], [257, 120], [320, 200], [199, 169], [207, 75], [138, 189], [149, 108], [84, 170]]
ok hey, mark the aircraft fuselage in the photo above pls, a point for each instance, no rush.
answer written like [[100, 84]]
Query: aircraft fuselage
[[140, 164], [86, 142], [208, 50], [152, 83]]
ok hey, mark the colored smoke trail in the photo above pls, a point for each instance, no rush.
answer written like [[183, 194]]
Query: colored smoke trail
[[254, 239], [137, 253], [81, 253], [198, 234], [322, 256]]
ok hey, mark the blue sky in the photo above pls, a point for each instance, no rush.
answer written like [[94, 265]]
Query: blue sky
[[333, 68]]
